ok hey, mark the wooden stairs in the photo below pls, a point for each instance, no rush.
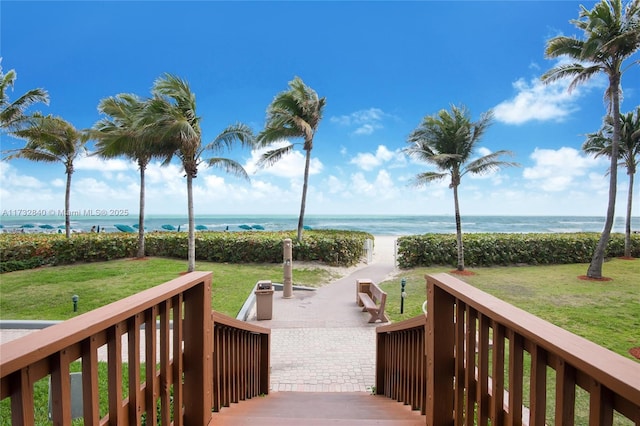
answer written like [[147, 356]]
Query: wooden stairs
[[318, 409]]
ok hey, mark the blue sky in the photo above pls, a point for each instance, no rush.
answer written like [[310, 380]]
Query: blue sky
[[381, 65]]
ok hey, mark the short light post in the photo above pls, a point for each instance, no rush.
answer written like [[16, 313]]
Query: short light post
[[403, 294], [75, 299]]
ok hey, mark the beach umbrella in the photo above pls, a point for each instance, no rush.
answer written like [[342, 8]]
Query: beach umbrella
[[244, 227], [307, 227], [28, 225], [259, 227], [124, 228], [201, 228], [46, 226], [169, 227]]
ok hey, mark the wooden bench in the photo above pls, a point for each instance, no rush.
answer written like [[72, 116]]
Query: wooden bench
[[372, 299]]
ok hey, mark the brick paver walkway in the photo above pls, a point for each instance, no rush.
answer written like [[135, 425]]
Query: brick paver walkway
[[320, 340]]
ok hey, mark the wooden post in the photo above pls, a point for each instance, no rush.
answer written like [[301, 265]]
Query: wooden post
[[440, 355], [197, 354]]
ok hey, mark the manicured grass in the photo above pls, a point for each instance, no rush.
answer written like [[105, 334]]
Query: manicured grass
[[605, 312], [45, 293]]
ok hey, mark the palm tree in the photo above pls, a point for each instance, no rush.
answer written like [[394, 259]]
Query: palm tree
[[121, 135], [295, 113], [51, 139], [12, 114], [600, 143], [448, 140], [611, 36], [170, 117]]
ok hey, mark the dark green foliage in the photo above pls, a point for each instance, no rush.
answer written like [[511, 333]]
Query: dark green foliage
[[507, 249], [336, 248], [19, 265]]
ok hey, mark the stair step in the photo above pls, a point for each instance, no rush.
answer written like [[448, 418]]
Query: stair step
[[222, 420], [318, 408]]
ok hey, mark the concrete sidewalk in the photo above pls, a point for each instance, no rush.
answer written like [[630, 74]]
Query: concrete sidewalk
[[321, 340]]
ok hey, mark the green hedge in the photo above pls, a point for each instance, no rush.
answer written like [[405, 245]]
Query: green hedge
[[507, 249], [337, 248]]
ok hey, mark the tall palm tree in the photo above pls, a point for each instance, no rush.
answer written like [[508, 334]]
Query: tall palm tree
[[611, 35], [12, 114], [448, 140], [600, 143], [170, 117], [120, 134], [53, 140], [295, 113]]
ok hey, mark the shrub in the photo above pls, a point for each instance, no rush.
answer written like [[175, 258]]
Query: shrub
[[337, 248], [507, 249]]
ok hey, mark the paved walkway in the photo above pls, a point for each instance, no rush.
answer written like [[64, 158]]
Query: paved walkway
[[321, 341]]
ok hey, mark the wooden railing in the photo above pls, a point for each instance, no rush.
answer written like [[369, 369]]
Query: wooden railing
[[172, 324], [240, 360], [401, 362], [488, 361]]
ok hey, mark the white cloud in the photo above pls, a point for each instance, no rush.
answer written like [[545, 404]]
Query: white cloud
[[10, 178], [535, 100], [335, 185], [557, 170], [59, 183], [368, 161], [290, 166], [366, 121], [95, 163]]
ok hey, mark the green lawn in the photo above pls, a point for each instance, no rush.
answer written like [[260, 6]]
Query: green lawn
[[45, 293]]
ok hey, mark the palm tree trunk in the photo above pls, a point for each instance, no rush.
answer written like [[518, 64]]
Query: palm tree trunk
[[595, 267], [191, 254], [304, 194], [458, 230], [67, 205], [141, 214], [627, 225]]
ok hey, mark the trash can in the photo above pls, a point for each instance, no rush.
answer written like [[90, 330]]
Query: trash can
[[264, 300]]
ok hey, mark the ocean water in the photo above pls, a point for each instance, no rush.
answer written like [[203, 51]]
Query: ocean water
[[374, 224]]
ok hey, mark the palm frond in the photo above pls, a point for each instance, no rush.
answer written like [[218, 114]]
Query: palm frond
[[229, 166], [32, 154], [271, 157], [425, 178], [272, 134], [238, 132], [489, 163]]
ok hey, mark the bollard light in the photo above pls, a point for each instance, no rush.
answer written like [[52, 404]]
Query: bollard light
[[75, 299], [403, 294]]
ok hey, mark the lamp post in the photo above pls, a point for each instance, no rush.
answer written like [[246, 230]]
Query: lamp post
[[403, 294], [75, 299], [287, 290]]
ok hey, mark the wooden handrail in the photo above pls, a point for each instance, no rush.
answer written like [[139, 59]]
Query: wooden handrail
[[208, 361]]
